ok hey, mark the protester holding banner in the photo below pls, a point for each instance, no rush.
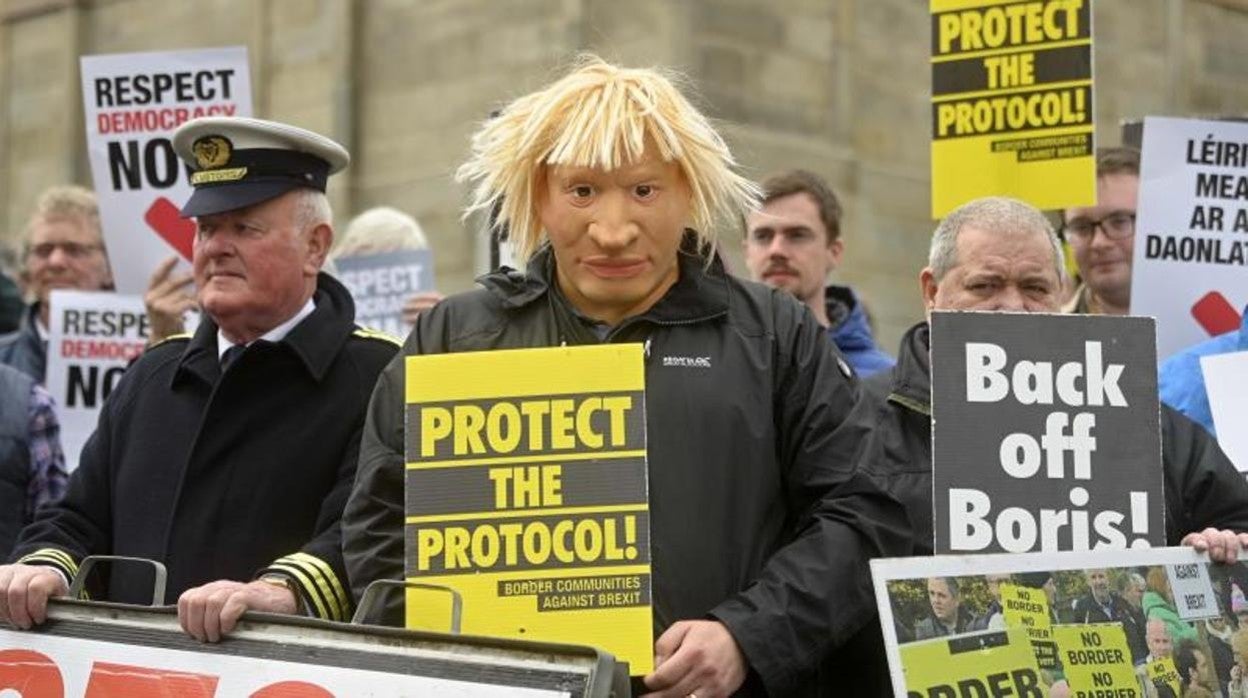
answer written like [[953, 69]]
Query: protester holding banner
[[383, 230], [1000, 254], [63, 249], [32, 464], [760, 526], [1104, 259], [170, 294], [228, 455], [1102, 605], [793, 242]]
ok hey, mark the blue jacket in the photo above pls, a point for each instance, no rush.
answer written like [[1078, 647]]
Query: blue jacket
[[1182, 383], [851, 333]]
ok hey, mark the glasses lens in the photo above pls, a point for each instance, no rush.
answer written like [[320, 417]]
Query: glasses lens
[[1119, 224], [1080, 229]]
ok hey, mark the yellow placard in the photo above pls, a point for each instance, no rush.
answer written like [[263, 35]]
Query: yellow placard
[[1028, 610], [992, 663], [526, 494], [1012, 111], [1163, 672], [1096, 658]]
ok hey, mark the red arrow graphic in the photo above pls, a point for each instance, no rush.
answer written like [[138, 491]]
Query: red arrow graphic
[[1216, 314], [179, 232]]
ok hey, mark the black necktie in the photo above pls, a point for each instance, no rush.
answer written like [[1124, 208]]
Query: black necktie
[[230, 355]]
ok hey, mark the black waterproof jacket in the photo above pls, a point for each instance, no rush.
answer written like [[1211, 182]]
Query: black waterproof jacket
[[1202, 486], [759, 517], [224, 475]]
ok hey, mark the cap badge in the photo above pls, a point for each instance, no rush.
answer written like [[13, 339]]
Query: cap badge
[[212, 151]]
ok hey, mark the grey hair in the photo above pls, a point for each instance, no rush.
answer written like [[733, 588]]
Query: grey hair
[[312, 209], [1129, 580], [66, 201], [998, 215], [378, 230]]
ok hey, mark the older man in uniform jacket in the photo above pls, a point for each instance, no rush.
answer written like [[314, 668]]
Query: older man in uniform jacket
[[228, 455]]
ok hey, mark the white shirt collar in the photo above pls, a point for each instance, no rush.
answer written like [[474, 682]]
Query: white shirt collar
[[276, 334]]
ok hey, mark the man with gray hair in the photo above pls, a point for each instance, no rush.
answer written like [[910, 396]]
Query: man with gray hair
[[63, 248], [999, 254], [384, 229], [227, 456]]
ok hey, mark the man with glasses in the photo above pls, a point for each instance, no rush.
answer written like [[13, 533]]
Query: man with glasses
[[63, 249], [1103, 236]]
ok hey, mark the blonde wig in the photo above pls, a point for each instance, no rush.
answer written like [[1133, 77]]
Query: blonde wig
[[600, 116]]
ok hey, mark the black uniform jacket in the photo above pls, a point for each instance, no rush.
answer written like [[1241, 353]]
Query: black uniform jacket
[[224, 476], [1202, 486], [759, 518]]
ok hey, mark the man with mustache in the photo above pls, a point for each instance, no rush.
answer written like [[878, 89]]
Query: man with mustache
[[793, 242], [63, 249], [202, 458]]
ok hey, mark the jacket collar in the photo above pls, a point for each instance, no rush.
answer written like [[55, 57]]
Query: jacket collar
[[912, 377], [701, 291], [847, 320], [316, 340], [30, 324]]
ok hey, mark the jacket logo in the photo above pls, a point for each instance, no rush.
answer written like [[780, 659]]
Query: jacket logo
[[687, 361]]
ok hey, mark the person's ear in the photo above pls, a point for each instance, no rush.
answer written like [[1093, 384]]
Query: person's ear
[[320, 239], [928, 287], [835, 251]]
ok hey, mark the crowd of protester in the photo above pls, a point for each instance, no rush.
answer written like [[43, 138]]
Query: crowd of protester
[[261, 457]]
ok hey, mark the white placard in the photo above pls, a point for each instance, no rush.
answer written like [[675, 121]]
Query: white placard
[[1190, 268], [1226, 384], [92, 337], [890, 575], [133, 104], [1194, 597], [381, 283]]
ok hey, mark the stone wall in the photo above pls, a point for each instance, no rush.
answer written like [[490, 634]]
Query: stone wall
[[836, 86]]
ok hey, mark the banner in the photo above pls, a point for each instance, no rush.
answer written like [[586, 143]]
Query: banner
[[1192, 591], [1029, 609], [134, 102], [111, 651], [1012, 102], [92, 338], [1226, 384], [998, 663], [526, 493], [1191, 251], [1046, 433], [1095, 658], [1108, 637], [381, 283]]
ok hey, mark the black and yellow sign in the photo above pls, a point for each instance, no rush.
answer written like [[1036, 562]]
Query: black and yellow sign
[[526, 492], [993, 663], [1096, 660], [1012, 102], [1162, 672], [1028, 609]]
